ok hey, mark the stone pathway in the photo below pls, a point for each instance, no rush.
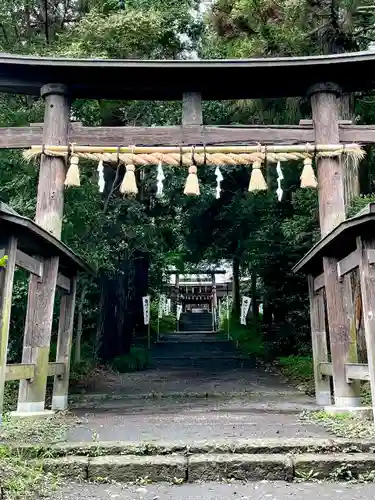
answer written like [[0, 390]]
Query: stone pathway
[[221, 491], [190, 404]]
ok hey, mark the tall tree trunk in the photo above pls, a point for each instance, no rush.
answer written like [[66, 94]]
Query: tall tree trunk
[[236, 286], [254, 302], [114, 337]]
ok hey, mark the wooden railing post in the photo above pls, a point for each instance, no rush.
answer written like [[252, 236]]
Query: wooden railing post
[[367, 280], [325, 113], [6, 289], [64, 348], [319, 344], [49, 215]]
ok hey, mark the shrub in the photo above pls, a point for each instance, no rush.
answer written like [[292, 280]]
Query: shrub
[[137, 359], [249, 337]]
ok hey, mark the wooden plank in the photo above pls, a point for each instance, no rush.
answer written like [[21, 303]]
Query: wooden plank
[[192, 108], [63, 283], [367, 280], [319, 344], [356, 371], [348, 263], [319, 282], [19, 371], [25, 137], [364, 134], [326, 369], [30, 264], [309, 123], [6, 291], [56, 369], [371, 255], [64, 348]]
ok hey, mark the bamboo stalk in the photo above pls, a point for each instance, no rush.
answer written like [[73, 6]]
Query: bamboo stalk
[[303, 148]]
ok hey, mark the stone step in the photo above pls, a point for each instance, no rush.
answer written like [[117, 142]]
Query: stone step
[[233, 446], [179, 468]]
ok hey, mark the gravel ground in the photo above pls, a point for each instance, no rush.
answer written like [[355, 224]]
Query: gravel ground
[[215, 491]]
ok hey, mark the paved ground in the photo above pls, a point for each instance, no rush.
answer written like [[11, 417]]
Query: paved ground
[[213, 491], [188, 380], [252, 403]]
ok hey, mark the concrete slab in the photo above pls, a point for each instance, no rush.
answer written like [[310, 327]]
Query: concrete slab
[[263, 490], [191, 405]]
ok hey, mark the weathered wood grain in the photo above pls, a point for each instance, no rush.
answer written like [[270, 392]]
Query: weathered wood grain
[[38, 328], [64, 348], [319, 344], [325, 115], [30, 264], [19, 371], [25, 137], [367, 280], [49, 214], [348, 263], [6, 290], [63, 283]]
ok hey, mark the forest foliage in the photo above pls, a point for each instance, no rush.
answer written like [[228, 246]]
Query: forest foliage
[[131, 242]]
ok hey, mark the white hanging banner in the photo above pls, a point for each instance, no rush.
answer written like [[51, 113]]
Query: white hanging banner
[[280, 177], [228, 307], [101, 181], [246, 301], [146, 309], [161, 306], [219, 179], [159, 178], [169, 306], [179, 311]]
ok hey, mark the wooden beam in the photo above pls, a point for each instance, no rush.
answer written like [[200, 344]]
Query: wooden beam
[[25, 137], [356, 371], [63, 283], [326, 369], [371, 255], [348, 263], [19, 371], [57, 369], [309, 123], [319, 282], [30, 264]]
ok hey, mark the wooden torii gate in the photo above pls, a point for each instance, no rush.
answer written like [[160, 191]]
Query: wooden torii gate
[[321, 78]]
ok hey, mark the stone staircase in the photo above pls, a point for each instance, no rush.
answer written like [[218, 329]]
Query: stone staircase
[[196, 322], [203, 351]]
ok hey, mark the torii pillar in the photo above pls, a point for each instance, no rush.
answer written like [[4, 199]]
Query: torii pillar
[[49, 215], [325, 113]]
